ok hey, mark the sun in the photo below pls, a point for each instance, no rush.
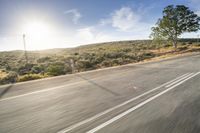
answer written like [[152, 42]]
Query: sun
[[37, 29], [39, 34]]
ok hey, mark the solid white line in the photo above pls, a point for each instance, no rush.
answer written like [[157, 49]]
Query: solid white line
[[35, 92], [167, 86], [45, 90], [118, 106], [137, 106]]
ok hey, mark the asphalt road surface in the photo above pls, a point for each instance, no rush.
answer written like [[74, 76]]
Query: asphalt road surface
[[154, 97]]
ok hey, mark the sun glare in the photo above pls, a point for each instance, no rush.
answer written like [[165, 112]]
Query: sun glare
[[39, 34], [37, 29]]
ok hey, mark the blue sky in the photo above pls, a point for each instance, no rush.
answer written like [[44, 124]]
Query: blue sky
[[69, 23]]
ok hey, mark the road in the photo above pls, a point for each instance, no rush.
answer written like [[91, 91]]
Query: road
[[154, 97]]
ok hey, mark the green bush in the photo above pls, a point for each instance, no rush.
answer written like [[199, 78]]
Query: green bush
[[56, 69], [84, 65], [37, 69]]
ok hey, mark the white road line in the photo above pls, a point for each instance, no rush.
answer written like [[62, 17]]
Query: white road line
[[167, 86], [137, 106], [45, 90], [118, 106], [35, 92]]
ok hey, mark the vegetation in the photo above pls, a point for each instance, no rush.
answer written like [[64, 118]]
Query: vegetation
[[28, 77], [54, 62], [175, 21], [14, 67], [8, 77]]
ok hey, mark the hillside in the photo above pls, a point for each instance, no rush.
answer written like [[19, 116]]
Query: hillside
[[53, 62]]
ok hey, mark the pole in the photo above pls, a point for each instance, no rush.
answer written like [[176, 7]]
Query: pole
[[198, 38], [25, 52], [72, 65]]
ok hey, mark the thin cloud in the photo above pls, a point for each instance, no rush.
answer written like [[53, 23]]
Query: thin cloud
[[76, 15], [125, 19]]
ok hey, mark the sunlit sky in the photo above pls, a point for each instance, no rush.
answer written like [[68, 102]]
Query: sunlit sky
[[69, 23]]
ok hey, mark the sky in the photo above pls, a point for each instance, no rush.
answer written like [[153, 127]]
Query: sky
[[50, 24]]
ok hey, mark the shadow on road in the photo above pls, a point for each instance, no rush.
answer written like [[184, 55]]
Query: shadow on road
[[102, 87], [5, 90]]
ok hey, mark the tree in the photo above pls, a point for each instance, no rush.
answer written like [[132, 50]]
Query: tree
[[175, 21]]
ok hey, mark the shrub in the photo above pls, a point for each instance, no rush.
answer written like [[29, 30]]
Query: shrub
[[25, 69], [183, 48], [43, 59], [106, 63], [190, 42], [183, 43], [126, 50], [76, 53], [167, 45], [10, 77], [115, 62], [37, 69], [99, 59], [148, 55], [56, 69], [84, 65], [114, 55], [30, 77], [68, 69]]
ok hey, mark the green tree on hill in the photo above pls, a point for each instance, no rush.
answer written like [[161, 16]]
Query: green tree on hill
[[175, 21]]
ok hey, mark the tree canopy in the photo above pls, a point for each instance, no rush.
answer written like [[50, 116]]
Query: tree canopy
[[176, 20]]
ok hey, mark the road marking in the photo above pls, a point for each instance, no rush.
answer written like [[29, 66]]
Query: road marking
[[138, 106], [167, 86], [35, 92], [45, 90], [118, 106]]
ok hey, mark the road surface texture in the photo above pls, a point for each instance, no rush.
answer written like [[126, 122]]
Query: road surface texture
[[154, 97]]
